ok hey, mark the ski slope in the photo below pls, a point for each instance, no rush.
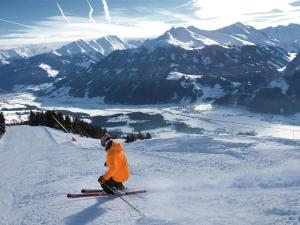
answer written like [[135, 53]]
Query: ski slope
[[195, 179]]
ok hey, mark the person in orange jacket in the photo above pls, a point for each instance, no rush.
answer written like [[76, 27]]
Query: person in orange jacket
[[116, 161]]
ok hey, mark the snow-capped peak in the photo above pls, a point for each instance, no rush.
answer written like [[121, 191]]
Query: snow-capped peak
[[191, 37], [182, 37], [7, 55], [110, 43], [76, 47], [287, 36], [248, 34], [103, 46]]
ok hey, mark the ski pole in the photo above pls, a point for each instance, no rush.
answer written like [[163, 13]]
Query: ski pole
[[73, 138], [60, 125], [118, 194]]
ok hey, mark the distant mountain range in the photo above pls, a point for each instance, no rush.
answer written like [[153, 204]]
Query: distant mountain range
[[94, 48], [237, 64], [193, 38], [287, 36], [173, 74], [68, 60]]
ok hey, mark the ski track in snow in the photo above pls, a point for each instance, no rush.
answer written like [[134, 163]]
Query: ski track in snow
[[196, 179]]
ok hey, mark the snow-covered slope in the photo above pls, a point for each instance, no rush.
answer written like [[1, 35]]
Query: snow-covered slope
[[138, 76], [287, 36], [67, 61], [103, 46], [94, 48], [110, 43], [191, 37], [248, 34], [190, 180], [8, 55]]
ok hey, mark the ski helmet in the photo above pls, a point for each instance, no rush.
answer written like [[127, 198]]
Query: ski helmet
[[105, 140]]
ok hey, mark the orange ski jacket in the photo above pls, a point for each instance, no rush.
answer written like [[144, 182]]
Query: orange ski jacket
[[117, 163]]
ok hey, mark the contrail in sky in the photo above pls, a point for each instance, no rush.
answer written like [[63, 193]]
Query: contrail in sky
[[186, 4], [105, 6], [62, 13], [20, 24], [91, 12]]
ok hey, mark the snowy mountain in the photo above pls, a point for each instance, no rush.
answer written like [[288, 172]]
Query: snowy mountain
[[281, 95], [41, 69], [138, 76], [233, 65], [193, 38], [69, 60], [110, 43], [288, 37], [248, 34], [9, 55], [224, 179], [293, 66], [94, 48]]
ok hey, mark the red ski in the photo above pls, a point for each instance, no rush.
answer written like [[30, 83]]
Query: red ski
[[102, 194], [91, 190]]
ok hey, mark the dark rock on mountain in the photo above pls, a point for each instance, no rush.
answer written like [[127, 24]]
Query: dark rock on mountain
[[40, 69], [173, 74]]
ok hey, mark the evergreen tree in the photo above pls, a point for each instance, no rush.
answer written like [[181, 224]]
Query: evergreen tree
[[48, 119], [2, 123], [68, 123], [32, 119], [74, 125]]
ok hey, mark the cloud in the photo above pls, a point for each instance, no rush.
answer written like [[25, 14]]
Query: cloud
[[142, 22], [187, 4], [62, 13], [91, 12], [53, 29], [106, 10], [273, 11], [231, 11], [20, 24], [296, 3]]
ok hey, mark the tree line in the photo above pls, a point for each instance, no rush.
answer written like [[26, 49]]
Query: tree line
[[71, 124], [74, 125], [77, 126]]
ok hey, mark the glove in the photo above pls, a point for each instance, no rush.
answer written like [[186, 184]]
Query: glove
[[101, 180]]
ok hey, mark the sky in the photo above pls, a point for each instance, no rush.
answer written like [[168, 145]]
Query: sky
[[24, 22]]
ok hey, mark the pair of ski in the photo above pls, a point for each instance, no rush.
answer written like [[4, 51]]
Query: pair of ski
[[85, 193]]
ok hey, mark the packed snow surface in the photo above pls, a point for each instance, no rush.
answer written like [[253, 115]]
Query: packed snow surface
[[194, 179]]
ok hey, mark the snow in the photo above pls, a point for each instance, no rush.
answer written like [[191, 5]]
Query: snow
[[203, 107], [104, 46], [174, 75], [280, 83], [209, 178], [212, 92], [51, 72], [292, 56], [232, 119], [194, 38]]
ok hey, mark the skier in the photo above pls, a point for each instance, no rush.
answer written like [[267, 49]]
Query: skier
[[116, 162]]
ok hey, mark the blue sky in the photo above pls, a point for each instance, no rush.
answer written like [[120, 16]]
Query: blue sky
[[25, 22]]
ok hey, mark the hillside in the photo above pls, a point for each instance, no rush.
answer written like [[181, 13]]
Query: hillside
[[190, 180]]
